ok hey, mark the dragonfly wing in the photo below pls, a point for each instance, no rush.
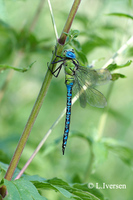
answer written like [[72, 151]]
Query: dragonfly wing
[[85, 80], [86, 76], [103, 76], [92, 77], [78, 90], [95, 98]]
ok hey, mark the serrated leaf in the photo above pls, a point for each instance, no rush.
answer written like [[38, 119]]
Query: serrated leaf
[[64, 192], [4, 67], [71, 38], [72, 33], [121, 15], [114, 66], [93, 190], [75, 33], [116, 76], [22, 190], [69, 191]]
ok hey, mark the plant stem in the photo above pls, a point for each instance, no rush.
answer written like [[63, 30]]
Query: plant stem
[[69, 21], [40, 97], [52, 18]]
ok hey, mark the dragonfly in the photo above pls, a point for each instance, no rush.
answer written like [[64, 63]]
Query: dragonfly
[[81, 80]]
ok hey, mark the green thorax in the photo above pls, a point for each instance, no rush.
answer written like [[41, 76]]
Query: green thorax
[[70, 69]]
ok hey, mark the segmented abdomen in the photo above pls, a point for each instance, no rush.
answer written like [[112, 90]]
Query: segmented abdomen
[[68, 115]]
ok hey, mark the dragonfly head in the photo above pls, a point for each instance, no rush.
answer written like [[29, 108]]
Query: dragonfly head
[[69, 53]]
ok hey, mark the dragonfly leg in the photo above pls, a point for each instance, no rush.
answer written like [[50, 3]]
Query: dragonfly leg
[[57, 70], [56, 55], [54, 62]]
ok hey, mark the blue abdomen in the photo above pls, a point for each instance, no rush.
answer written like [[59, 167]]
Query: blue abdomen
[[68, 115]]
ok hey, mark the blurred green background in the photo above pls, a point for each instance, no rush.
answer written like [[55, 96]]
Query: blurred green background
[[101, 35]]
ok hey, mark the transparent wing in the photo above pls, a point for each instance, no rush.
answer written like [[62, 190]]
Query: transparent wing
[[86, 76], [95, 98], [79, 91], [85, 80], [103, 76], [93, 77]]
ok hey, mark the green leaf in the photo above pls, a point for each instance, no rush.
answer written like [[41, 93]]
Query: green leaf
[[21, 190], [124, 152], [121, 15], [4, 67], [116, 76], [72, 33], [114, 66], [71, 38], [93, 190], [64, 192], [2, 182], [76, 191]]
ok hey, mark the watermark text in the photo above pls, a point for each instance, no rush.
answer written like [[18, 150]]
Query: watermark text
[[107, 186]]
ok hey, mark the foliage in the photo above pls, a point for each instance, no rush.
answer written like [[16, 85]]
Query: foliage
[[99, 149]]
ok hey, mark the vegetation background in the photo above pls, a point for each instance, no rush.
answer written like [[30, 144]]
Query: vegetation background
[[109, 157]]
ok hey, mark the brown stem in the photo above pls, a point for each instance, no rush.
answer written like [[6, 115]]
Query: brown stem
[[69, 21]]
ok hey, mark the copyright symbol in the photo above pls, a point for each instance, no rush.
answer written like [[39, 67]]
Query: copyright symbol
[[90, 185]]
